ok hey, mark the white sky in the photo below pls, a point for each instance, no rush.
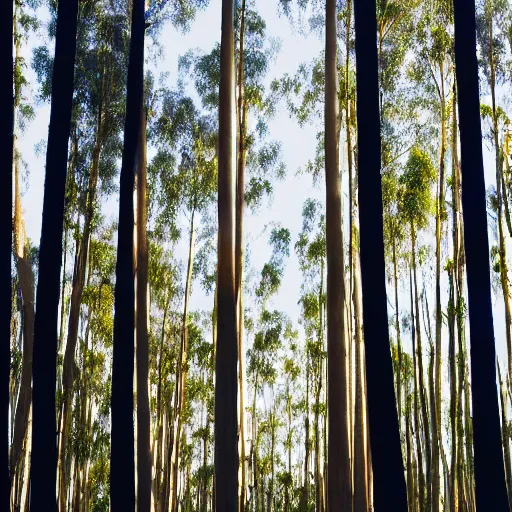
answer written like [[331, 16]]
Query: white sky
[[298, 145]]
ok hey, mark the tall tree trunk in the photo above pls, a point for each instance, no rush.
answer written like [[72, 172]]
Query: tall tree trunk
[[505, 435], [240, 190], [417, 424], [122, 470], [44, 454], [339, 483], [79, 273], [398, 337], [27, 285], [142, 308], [491, 490], [226, 422], [436, 399], [181, 373], [421, 379], [411, 488], [465, 471], [361, 470], [500, 196], [389, 488], [305, 490], [456, 327]]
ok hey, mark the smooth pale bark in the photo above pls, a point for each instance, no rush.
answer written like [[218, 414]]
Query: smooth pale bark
[[417, 425], [122, 468], [491, 493], [7, 145], [226, 385], [339, 483], [239, 257], [421, 378], [361, 469], [440, 214], [142, 320], [44, 453], [181, 374], [456, 372]]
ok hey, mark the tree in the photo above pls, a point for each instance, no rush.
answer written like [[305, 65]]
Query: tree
[[487, 441], [339, 488], [122, 469], [226, 457], [383, 421], [42, 494]]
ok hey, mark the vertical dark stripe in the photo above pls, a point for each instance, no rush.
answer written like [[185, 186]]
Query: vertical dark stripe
[[389, 482], [489, 467], [6, 138], [122, 462], [43, 470], [226, 367]]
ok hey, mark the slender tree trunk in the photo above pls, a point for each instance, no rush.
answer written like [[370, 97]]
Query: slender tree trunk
[[181, 374], [411, 489], [27, 285], [361, 470], [339, 484], [122, 470], [305, 490], [421, 386], [240, 190], [436, 399], [398, 337], [491, 489], [79, 273], [389, 489], [142, 320], [505, 434], [417, 425], [44, 454], [226, 456]]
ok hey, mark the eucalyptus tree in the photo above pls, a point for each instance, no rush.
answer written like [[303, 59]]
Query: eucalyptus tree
[[24, 23], [43, 480], [99, 87], [339, 480], [226, 385], [488, 452], [191, 188], [491, 37], [387, 464], [311, 253], [269, 327], [435, 44], [417, 204]]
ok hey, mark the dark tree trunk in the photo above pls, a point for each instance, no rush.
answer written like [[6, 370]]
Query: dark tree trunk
[[389, 482], [491, 492], [226, 385], [7, 142], [122, 467], [44, 443]]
